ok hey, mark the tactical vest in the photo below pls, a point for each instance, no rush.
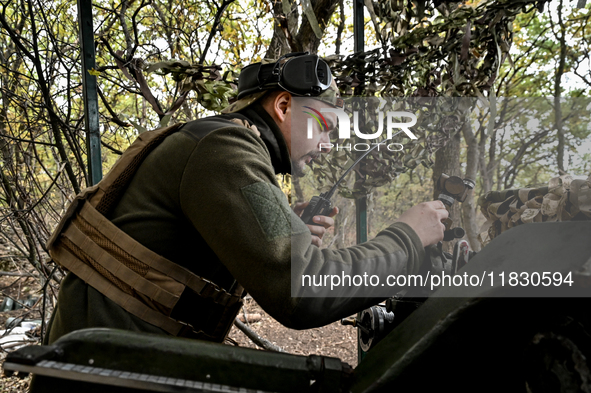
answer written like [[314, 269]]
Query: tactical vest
[[140, 281]]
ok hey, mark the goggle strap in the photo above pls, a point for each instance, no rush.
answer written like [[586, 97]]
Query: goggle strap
[[271, 75], [276, 70]]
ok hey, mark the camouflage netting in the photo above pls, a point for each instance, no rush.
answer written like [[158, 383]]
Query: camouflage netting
[[565, 198], [438, 118], [431, 50], [427, 49]]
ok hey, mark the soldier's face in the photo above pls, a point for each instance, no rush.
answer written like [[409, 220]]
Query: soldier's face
[[305, 148]]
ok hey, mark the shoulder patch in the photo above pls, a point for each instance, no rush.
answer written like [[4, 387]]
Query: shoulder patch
[[270, 207]]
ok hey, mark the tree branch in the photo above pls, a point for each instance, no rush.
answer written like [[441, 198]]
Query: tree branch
[[214, 28]]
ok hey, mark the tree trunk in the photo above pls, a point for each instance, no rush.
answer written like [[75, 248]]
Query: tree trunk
[[285, 27], [447, 160], [323, 9], [487, 169], [286, 40], [557, 93], [468, 207], [340, 225]]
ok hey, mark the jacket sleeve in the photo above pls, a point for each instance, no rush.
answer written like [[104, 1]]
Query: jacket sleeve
[[230, 194]]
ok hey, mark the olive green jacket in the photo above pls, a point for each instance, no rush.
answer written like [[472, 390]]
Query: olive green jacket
[[208, 199]]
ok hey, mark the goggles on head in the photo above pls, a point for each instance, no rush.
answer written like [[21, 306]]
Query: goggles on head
[[300, 74]]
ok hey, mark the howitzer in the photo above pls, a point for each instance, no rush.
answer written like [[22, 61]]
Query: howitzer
[[116, 361], [517, 343], [374, 323]]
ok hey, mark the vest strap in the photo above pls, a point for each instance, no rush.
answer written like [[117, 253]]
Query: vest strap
[[137, 279]]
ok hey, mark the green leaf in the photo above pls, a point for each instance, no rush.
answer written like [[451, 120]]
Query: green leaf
[[168, 65], [309, 11], [165, 120], [493, 110], [138, 127], [286, 6]]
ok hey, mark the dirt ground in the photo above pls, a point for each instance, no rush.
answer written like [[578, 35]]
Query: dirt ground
[[334, 340]]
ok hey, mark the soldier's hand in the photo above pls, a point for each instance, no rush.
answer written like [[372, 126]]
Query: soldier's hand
[[324, 222], [425, 218]]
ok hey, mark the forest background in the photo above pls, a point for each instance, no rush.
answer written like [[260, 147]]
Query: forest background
[[161, 62]]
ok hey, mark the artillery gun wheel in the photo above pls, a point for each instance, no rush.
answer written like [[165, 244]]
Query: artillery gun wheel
[[557, 359]]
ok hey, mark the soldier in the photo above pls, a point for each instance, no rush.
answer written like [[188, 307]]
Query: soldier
[[192, 217]]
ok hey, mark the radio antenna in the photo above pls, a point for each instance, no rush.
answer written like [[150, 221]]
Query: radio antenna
[[333, 189]]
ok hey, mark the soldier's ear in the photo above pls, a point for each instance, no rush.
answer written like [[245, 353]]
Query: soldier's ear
[[282, 105], [278, 104]]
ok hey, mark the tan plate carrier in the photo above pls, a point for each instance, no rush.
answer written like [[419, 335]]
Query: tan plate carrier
[[142, 282]]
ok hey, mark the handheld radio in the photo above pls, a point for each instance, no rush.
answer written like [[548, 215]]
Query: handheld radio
[[321, 205]]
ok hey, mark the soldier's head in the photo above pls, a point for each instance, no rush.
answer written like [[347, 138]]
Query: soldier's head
[[275, 84]]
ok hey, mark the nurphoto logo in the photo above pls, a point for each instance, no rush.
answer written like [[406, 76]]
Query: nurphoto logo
[[316, 116], [393, 122]]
